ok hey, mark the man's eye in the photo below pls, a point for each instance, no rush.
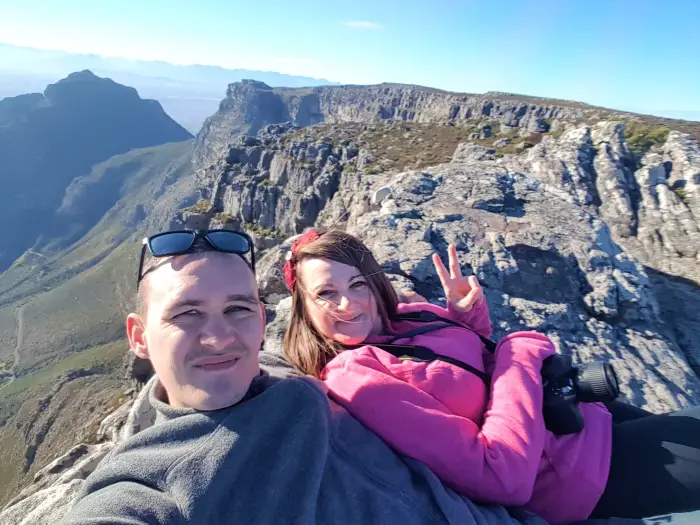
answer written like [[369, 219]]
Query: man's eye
[[188, 313], [237, 309]]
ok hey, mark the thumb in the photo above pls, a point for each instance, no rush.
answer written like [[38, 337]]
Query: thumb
[[468, 302]]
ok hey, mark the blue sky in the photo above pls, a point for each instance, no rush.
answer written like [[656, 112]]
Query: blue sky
[[639, 55]]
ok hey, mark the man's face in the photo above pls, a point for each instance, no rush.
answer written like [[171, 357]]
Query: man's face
[[202, 329]]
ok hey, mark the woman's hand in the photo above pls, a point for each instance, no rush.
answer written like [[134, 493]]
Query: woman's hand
[[462, 292]]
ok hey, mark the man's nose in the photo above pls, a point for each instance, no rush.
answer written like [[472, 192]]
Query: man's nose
[[218, 334]]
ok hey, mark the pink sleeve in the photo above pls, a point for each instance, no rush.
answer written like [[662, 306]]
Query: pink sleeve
[[477, 318], [495, 463]]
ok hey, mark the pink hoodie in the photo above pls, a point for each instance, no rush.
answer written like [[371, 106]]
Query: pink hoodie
[[490, 446]]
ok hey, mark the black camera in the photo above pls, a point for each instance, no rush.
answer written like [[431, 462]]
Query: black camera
[[566, 385]]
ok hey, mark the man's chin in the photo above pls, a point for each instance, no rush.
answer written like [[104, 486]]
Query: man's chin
[[207, 403]]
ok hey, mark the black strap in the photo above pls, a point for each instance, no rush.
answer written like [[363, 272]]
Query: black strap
[[422, 353], [419, 331], [429, 317]]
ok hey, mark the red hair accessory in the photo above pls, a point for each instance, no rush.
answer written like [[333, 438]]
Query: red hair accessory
[[290, 267]]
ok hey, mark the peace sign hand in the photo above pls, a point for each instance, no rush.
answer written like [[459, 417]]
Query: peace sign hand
[[462, 292]]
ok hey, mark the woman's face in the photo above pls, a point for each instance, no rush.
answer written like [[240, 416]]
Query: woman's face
[[339, 301]]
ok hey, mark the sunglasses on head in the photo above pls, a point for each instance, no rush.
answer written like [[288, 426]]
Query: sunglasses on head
[[180, 242]]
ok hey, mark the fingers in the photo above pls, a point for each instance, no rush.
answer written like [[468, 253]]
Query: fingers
[[441, 271], [473, 297], [455, 270], [473, 282]]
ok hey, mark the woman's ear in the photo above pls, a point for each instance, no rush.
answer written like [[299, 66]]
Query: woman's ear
[[136, 332]]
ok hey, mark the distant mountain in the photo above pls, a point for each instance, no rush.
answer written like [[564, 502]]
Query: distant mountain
[[47, 141], [189, 94]]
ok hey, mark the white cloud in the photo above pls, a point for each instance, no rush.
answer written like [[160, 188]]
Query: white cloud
[[363, 24]]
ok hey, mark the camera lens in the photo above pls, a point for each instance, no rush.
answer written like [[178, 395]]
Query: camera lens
[[597, 383]]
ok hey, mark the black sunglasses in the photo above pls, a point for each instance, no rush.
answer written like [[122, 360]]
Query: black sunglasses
[[179, 242]]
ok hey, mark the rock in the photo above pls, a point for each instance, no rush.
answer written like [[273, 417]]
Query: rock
[[486, 132], [501, 143], [537, 125], [379, 195], [466, 152], [112, 425], [567, 165], [45, 507], [614, 181], [274, 332], [269, 272], [136, 370]]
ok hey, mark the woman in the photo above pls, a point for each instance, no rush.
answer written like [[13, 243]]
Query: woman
[[489, 443]]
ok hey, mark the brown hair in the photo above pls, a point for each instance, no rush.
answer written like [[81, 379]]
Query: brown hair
[[304, 347]]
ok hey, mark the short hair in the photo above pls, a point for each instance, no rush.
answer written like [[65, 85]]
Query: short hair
[[150, 263]]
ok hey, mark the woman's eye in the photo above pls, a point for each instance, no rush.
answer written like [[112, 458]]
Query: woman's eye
[[358, 284], [325, 294]]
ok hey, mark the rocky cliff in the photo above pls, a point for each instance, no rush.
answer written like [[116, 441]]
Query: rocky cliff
[[249, 105], [581, 233], [580, 223]]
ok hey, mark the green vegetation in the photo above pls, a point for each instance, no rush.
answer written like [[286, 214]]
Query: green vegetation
[[557, 133], [265, 183], [84, 311], [261, 232], [642, 137], [373, 170], [349, 168], [681, 194], [105, 358], [223, 218], [201, 207], [495, 125]]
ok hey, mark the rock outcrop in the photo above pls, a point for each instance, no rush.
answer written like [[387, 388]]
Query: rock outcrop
[[250, 105], [547, 232]]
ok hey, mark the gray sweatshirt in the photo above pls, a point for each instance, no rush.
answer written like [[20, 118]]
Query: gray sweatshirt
[[282, 455]]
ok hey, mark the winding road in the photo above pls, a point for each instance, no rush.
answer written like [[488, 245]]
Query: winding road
[[18, 346]]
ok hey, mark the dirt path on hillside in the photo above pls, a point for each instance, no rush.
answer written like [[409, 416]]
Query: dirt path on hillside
[[18, 346]]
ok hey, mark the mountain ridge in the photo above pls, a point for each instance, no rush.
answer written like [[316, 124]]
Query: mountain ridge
[[48, 140]]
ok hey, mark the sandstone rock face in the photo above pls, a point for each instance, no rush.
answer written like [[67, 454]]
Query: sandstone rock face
[[268, 185], [250, 105]]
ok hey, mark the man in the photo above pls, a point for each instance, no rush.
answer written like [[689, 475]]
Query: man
[[232, 443]]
